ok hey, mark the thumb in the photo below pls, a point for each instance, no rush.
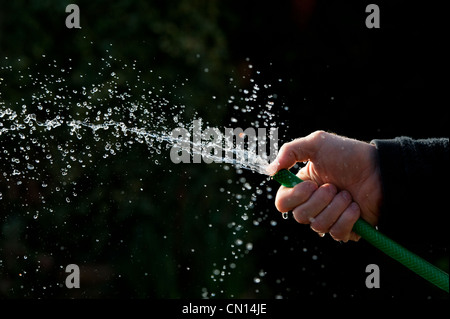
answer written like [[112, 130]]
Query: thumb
[[299, 150]]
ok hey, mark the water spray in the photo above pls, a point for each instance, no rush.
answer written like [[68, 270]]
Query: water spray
[[391, 248]]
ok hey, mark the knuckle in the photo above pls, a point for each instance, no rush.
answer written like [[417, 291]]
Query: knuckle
[[318, 134], [303, 191], [327, 192], [288, 148], [283, 148]]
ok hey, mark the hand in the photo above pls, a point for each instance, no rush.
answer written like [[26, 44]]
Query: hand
[[339, 169]]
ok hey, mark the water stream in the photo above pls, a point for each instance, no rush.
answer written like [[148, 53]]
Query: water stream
[[62, 125]]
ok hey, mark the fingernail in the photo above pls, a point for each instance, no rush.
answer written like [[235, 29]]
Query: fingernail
[[271, 169], [354, 206], [346, 195]]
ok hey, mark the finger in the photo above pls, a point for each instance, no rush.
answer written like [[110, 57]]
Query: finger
[[289, 198], [342, 228], [299, 150], [354, 236], [326, 218], [321, 198], [304, 173]]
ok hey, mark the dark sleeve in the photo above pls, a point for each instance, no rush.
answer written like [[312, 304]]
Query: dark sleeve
[[414, 176]]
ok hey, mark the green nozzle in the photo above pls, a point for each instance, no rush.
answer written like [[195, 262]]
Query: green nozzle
[[286, 178], [410, 260]]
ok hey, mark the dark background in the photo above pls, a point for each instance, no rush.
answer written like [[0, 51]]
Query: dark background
[[167, 241]]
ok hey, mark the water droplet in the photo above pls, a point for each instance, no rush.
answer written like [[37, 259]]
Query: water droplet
[[285, 215]]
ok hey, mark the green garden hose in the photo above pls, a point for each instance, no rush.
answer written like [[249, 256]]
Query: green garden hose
[[391, 248]]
